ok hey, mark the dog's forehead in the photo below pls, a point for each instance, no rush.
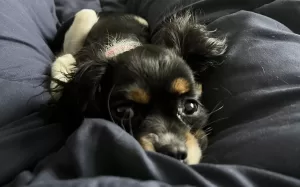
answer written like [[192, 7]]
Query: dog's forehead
[[143, 72], [152, 62]]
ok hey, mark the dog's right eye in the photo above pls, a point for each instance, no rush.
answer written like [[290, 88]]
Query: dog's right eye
[[190, 107], [124, 112]]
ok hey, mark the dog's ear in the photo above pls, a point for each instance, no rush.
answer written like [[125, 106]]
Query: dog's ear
[[197, 45], [79, 93]]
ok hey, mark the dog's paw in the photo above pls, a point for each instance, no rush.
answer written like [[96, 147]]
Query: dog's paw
[[62, 66], [141, 20], [75, 37]]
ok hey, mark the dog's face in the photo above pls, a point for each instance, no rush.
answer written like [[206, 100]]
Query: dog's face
[[152, 94], [150, 90]]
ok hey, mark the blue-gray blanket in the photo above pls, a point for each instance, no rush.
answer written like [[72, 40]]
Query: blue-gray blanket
[[256, 134]]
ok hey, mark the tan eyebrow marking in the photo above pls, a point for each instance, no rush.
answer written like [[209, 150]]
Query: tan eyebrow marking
[[138, 95], [180, 86], [146, 144]]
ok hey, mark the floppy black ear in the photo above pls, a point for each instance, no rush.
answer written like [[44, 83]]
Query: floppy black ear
[[79, 93], [200, 47]]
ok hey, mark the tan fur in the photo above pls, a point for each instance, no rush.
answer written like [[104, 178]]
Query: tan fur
[[83, 22], [194, 152], [138, 95], [146, 144], [199, 134], [180, 86]]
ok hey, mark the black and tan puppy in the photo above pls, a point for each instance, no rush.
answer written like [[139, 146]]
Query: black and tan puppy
[[148, 89]]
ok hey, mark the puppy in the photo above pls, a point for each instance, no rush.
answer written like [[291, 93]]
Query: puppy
[[148, 89]]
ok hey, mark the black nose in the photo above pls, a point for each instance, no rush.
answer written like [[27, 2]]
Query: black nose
[[178, 152]]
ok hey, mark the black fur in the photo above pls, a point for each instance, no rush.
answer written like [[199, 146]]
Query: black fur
[[197, 45]]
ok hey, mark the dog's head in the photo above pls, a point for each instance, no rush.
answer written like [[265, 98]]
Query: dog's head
[[150, 91]]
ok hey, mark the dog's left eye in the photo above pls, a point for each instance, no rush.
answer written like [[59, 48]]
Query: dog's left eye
[[124, 112], [190, 107]]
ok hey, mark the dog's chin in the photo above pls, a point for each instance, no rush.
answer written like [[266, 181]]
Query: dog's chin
[[194, 151]]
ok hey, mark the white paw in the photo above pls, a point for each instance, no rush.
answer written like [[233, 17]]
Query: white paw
[[61, 67], [83, 22], [141, 20]]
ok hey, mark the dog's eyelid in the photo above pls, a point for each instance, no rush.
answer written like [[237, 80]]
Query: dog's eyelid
[[121, 99], [122, 102], [190, 99], [119, 95], [185, 99], [190, 95]]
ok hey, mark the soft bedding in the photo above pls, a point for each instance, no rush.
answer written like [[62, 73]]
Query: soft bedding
[[255, 139]]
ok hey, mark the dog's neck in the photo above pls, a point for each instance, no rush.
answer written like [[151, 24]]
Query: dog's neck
[[117, 47]]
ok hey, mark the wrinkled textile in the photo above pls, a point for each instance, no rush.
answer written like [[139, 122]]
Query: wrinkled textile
[[253, 97]]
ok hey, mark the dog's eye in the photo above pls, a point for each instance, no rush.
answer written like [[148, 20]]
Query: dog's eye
[[190, 107], [124, 112]]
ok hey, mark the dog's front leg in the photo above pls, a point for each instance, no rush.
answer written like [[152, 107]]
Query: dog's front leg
[[75, 37]]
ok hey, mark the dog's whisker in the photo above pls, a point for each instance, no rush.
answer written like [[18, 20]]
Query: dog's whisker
[[208, 131], [216, 106], [122, 124], [130, 127], [207, 134], [204, 136], [215, 121], [214, 111], [108, 104]]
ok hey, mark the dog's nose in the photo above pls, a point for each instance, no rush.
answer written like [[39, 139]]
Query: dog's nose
[[178, 152]]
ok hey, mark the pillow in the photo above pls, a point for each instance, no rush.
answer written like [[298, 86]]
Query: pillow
[[26, 29], [66, 9]]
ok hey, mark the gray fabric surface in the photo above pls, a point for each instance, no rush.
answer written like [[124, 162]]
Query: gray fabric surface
[[26, 29], [258, 85], [67, 9], [100, 148]]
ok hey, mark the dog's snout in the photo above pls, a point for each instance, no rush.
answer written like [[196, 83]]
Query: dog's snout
[[177, 152]]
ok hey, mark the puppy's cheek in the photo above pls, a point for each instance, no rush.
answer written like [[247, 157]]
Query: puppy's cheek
[[194, 152], [146, 144]]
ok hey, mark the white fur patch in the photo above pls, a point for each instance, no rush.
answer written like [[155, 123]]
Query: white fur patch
[[83, 22], [167, 138], [194, 152], [194, 155], [118, 47], [142, 21], [62, 66]]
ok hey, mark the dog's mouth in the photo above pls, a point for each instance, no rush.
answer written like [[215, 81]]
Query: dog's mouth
[[187, 150]]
